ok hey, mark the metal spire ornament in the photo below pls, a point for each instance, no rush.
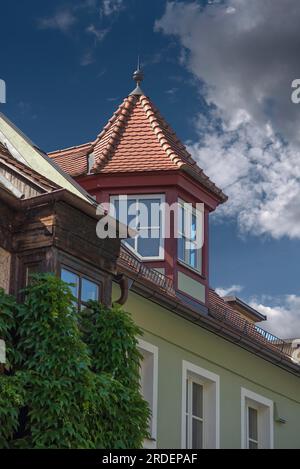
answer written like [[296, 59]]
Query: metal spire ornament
[[138, 77]]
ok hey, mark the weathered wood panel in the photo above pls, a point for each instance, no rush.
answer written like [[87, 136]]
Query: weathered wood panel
[[75, 232], [5, 266], [34, 229], [25, 186], [7, 217]]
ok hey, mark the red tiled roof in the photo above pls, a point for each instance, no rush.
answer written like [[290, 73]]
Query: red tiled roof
[[8, 159], [136, 139], [73, 160], [223, 312], [219, 310]]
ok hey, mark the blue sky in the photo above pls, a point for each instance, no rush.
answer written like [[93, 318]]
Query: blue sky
[[67, 65]]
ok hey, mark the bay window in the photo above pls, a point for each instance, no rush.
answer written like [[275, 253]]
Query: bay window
[[143, 214], [189, 242]]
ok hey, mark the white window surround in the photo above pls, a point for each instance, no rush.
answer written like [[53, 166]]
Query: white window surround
[[150, 353], [211, 404], [161, 255], [265, 408]]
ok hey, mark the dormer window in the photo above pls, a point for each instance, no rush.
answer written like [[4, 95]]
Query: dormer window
[[90, 162], [142, 213], [189, 244]]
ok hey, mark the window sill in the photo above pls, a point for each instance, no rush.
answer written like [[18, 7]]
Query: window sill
[[144, 259], [188, 267]]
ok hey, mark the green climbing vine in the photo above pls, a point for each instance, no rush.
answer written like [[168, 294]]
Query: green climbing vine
[[71, 381]]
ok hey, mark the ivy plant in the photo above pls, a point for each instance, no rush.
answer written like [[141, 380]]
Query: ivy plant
[[72, 379]]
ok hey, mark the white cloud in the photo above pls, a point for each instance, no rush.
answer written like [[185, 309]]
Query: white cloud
[[111, 7], [88, 58], [77, 18], [99, 34], [245, 55], [233, 290], [283, 317], [62, 20]]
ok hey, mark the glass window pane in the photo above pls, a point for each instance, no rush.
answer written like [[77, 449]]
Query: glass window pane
[[193, 255], [147, 246], [181, 219], [253, 427], [132, 213], [149, 212], [194, 228], [70, 277], [188, 251], [89, 291], [116, 204], [197, 438], [181, 243], [197, 400]]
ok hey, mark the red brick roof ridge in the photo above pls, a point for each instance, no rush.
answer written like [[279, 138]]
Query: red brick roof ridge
[[158, 117], [55, 153], [118, 122], [174, 154], [159, 126], [158, 130]]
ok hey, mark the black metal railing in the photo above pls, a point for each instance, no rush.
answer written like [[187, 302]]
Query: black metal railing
[[252, 331], [234, 320], [129, 260]]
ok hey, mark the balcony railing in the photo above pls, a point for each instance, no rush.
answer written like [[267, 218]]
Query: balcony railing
[[129, 260], [223, 314], [252, 331]]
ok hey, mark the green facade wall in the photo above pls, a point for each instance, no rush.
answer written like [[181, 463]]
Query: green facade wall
[[178, 339]]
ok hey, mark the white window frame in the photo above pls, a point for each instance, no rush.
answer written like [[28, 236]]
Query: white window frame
[[199, 268], [265, 418], [152, 351], [138, 197], [211, 404]]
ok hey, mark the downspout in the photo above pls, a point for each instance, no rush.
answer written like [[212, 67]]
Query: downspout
[[2, 356], [122, 280]]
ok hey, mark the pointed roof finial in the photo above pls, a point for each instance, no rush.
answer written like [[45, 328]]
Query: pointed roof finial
[[138, 77]]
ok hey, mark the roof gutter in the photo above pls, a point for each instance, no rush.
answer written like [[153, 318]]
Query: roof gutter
[[212, 325], [63, 195], [218, 193]]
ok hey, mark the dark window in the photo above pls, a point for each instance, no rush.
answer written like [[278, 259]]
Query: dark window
[[82, 288], [31, 270]]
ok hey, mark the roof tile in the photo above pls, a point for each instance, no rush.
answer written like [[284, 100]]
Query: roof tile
[[135, 139]]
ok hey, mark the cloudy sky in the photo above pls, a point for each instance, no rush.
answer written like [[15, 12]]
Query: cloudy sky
[[221, 73]]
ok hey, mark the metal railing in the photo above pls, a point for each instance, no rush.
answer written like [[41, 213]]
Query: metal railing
[[129, 260], [252, 331]]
